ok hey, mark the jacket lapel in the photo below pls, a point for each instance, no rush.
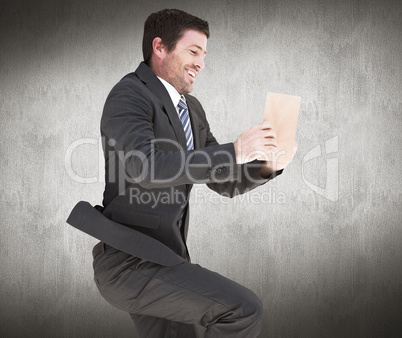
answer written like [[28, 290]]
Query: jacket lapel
[[146, 75]]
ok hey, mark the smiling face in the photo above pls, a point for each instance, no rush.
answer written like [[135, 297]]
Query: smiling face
[[181, 66]]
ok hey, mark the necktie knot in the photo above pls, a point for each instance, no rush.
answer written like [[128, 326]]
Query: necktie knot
[[182, 104]]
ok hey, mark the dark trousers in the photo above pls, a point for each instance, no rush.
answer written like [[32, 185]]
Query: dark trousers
[[169, 301]]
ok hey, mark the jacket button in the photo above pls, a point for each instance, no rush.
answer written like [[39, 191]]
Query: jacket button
[[219, 170]]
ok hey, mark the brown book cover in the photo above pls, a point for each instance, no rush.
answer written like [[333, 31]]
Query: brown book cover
[[282, 111]]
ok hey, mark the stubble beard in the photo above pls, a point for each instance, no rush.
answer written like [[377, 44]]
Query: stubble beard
[[175, 76]]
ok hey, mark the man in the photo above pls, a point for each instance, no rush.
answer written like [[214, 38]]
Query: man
[[157, 143]]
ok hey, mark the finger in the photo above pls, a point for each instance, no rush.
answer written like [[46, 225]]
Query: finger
[[271, 142], [270, 148], [266, 132], [265, 125], [270, 133]]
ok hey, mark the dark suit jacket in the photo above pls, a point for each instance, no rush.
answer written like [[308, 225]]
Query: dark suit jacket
[[149, 175]]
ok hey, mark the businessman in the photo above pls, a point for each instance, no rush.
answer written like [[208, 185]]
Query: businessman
[[157, 144]]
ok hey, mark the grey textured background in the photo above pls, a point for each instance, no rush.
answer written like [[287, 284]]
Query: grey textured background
[[324, 266]]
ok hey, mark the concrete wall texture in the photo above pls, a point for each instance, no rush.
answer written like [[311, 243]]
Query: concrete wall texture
[[320, 245]]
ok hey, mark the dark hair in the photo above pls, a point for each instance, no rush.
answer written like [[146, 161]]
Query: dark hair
[[169, 25]]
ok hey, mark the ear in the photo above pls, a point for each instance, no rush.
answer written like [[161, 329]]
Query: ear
[[159, 49]]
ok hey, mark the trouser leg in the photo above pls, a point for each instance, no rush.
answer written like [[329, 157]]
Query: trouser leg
[[148, 326], [186, 293]]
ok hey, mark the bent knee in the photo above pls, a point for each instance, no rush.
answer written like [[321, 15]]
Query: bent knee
[[254, 308]]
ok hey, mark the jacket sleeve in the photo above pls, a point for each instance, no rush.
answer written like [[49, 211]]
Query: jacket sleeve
[[248, 176], [127, 125]]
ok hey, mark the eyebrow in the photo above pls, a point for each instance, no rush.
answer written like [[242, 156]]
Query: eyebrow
[[200, 48]]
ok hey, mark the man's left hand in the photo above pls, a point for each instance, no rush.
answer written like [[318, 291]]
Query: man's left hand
[[269, 167]]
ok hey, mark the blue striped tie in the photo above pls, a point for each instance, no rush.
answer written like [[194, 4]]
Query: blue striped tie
[[185, 121]]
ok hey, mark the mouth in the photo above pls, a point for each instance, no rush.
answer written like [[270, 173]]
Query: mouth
[[192, 73]]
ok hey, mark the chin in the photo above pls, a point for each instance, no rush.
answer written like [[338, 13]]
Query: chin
[[189, 89]]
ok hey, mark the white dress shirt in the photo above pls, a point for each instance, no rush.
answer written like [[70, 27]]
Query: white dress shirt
[[174, 95]]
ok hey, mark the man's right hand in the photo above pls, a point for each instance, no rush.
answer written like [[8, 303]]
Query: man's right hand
[[255, 143]]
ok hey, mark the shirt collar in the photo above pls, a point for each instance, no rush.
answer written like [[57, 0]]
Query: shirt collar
[[173, 93]]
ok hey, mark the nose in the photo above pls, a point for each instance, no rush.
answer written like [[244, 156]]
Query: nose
[[199, 63]]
